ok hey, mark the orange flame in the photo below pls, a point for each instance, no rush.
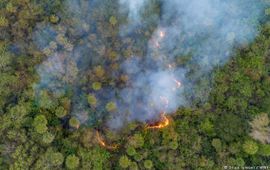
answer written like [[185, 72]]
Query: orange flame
[[165, 122], [157, 40], [103, 144], [178, 83], [161, 34]]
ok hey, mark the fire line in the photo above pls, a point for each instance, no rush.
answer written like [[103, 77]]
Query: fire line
[[164, 122], [103, 144]]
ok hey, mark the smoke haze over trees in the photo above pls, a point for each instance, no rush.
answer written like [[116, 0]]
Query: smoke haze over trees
[[134, 84], [204, 31]]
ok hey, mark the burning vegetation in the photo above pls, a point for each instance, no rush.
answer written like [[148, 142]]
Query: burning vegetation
[[164, 122], [102, 142], [79, 74]]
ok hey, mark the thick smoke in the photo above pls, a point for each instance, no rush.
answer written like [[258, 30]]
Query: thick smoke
[[133, 8], [207, 31]]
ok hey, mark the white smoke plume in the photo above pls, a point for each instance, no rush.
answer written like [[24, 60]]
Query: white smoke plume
[[206, 30], [133, 8]]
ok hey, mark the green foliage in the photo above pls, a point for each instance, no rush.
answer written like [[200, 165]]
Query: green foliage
[[133, 166], [239, 162], [96, 86], [264, 150], [113, 20], [250, 147], [124, 162], [111, 106], [131, 151], [267, 11], [5, 58], [40, 124], [148, 164], [230, 127], [72, 162], [216, 143], [47, 137], [207, 126], [51, 159], [95, 158], [138, 157], [54, 19], [92, 100], [86, 137], [37, 132], [60, 112], [173, 145], [136, 141], [57, 158], [99, 71], [3, 22], [11, 8], [23, 156], [45, 100], [74, 122]]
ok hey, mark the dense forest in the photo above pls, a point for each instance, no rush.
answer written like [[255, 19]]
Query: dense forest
[[62, 84]]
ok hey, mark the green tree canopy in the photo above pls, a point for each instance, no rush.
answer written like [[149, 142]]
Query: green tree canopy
[[72, 162], [250, 147], [148, 164], [124, 161], [40, 124]]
